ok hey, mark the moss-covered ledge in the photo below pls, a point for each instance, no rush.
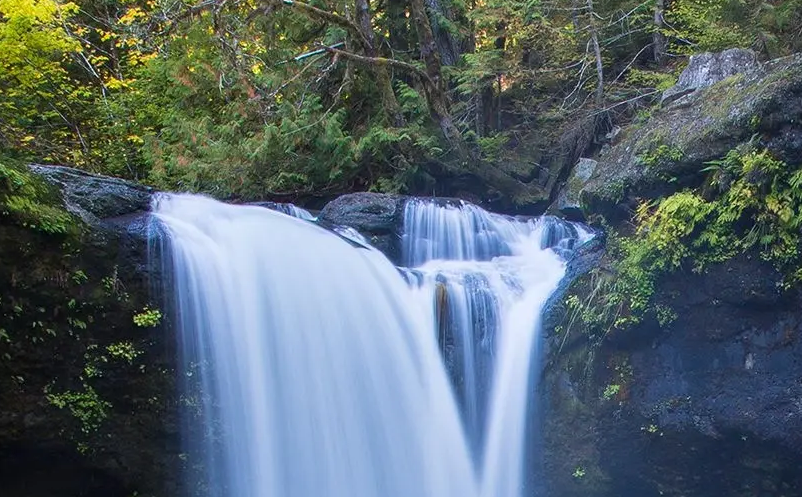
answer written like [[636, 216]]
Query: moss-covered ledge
[[668, 148]]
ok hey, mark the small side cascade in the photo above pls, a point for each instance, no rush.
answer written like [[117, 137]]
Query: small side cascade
[[287, 208], [485, 278]]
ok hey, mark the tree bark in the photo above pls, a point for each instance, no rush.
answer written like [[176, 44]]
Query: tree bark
[[383, 81], [594, 39], [448, 44], [659, 42], [435, 92]]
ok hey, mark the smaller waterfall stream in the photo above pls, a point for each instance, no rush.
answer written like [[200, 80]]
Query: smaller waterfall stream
[[486, 278], [313, 363]]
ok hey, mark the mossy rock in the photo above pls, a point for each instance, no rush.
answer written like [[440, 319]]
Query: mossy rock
[[670, 150]]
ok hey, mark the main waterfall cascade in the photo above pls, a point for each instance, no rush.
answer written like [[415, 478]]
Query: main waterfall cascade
[[314, 365]]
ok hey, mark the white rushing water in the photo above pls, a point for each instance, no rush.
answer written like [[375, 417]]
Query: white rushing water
[[313, 364]]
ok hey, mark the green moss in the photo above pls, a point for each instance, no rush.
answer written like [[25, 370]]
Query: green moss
[[31, 203], [661, 154]]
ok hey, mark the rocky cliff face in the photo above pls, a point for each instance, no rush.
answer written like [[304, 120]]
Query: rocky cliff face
[[707, 406], [710, 404], [86, 396]]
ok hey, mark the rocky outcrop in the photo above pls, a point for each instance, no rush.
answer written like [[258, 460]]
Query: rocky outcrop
[[569, 201], [669, 150], [707, 69], [93, 197], [707, 405], [87, 402], [376, 216]]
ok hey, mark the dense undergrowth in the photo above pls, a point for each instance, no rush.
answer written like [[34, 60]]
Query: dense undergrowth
[[297, 101]]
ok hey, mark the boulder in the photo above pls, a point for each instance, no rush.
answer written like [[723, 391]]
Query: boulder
[[93, 197], [669, 150], [569, 202], [378, 217], [707, 69], [707, 406]]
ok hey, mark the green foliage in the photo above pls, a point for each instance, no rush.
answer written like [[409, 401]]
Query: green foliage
[[148, 318], [84, 405], [651, 429], [78, 277], [29, 202], [752, 202], [707, 25], [492, 146], [641, 78], [123, 350], [237, 102], [610, 391]]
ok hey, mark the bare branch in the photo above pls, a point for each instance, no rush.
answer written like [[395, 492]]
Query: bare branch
[[373, 61], [330, 17]]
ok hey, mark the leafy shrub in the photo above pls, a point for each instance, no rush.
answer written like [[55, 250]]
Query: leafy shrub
[[148, 318]]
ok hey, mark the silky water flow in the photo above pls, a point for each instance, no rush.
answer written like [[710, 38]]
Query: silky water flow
[[312, 367]]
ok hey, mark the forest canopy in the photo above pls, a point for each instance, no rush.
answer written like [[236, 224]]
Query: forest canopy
[[307, 99]]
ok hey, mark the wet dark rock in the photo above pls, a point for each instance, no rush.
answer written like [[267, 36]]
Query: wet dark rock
[[378, 217], [371, 213], [708, 406], [669, 150], [283, 207], [580, 261], [93, 197], [66, 300]]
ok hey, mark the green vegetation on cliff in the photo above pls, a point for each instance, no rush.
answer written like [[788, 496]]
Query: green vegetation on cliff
[[750, 202], [30, 202]]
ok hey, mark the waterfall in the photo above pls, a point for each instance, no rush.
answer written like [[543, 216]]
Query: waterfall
[[486, 278], [313, 365], [288, 209]]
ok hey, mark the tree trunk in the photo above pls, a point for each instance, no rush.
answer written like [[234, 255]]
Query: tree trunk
[[659, 42], [383, 81], [435, 90], [448, 44], [594, 38]]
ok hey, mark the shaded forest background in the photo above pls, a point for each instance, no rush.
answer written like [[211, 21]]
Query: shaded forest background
[[303, 100]]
